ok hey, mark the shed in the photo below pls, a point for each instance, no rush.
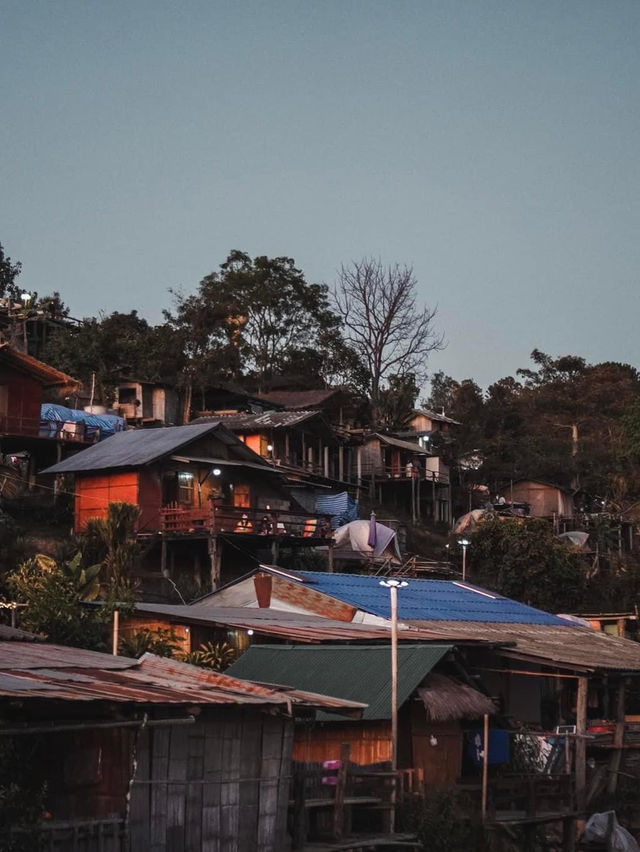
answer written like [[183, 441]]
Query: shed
[[151, 753], [544, 498], [348, 671]]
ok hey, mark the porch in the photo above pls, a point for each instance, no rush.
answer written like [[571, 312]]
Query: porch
[[241, 520]]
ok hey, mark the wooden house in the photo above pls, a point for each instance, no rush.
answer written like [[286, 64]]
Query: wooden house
[[192, 483], [542, 670], [29, 441], [404, 474], [544, 498], [312, 454], [147, 403], [24, 381], [431, 705], [148, 754], [427, 423]]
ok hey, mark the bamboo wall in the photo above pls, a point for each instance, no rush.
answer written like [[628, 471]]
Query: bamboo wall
[[220, 784]]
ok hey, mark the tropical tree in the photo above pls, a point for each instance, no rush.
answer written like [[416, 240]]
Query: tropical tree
[[253, 319]]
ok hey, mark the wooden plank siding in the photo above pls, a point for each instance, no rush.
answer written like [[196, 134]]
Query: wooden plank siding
[[220, 785], [369, 742], [96, 491]]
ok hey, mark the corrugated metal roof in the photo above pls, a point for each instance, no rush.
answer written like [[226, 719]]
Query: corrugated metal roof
[[268, 419], [438, 418], [299, 627], [354, 672], [47, 375], [296, 400], [410, 446], [563, 645], [17, 635], [71, 674], [134, 448], [428, 600]]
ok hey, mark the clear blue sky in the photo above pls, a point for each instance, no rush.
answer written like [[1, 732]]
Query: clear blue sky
[[493, 145]]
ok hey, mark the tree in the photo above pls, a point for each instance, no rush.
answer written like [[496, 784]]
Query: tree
[[384, 324], [398, 401], [257, 319], [113, 347], [9, 272], [527, 562]]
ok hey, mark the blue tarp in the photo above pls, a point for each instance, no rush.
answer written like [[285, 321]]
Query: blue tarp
[[108, 424], [341, 507]]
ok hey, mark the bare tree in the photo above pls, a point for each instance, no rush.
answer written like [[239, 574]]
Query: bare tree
[[384, 323]]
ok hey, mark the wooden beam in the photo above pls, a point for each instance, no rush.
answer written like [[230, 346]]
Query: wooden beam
[[485, 766], [581, 749], [618, 740]]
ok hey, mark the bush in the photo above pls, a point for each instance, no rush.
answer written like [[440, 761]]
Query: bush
[[441, 824]]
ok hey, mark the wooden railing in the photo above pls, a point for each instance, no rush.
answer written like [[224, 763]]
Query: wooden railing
[[246, 521]]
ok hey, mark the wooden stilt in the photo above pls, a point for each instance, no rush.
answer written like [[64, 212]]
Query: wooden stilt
[[215, 557], [618, 740], [581, 750]]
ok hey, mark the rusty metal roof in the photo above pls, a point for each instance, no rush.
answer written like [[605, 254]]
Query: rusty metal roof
[[299, 627], [71, 674], [47, 375], [570, 647]]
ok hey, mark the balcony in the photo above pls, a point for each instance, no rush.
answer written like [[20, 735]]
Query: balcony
[[56, 430], [238, 520]]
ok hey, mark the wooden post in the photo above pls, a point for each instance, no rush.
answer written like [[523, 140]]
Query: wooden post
[[215, 557], [163, 557], [299, 811], [341, 463], [618, 740], [341, 786], [485, 766], [581, 750], [326, 462], [359, 466], [116, 625], [275, 551], [330, 557]]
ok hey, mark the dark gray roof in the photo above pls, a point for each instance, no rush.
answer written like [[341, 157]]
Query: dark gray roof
[[268, 419], [139, 447]]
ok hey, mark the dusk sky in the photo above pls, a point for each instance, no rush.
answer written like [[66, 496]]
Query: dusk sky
[[492, 145]]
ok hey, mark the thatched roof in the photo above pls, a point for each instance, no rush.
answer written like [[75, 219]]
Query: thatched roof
[[445, 698]]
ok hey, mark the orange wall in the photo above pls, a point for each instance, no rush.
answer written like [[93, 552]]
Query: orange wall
[[96, 491], [370, 742]]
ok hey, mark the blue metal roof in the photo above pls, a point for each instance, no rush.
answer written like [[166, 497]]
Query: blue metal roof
[[428, 600]]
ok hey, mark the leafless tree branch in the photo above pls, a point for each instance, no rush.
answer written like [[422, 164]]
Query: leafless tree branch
[[383, 321]]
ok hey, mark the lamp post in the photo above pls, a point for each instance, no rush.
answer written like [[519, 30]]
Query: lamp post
[[464, 544], [393, 586]]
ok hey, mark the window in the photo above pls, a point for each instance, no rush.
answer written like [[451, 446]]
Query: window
[[185, 489]]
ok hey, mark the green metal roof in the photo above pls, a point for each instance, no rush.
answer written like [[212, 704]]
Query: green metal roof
[[356, 672]]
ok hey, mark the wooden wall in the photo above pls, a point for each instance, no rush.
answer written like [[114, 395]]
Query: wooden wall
[[221, 784], [442, 762], [95, 491], [23, 397], [370, 742]]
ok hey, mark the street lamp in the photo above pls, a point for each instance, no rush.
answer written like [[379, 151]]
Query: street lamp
[[393, 586], [464, 544]]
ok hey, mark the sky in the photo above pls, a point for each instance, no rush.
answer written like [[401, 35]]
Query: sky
[[492, 146]]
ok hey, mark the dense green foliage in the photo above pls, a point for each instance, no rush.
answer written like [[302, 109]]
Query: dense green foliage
[[565, 421], [526, 561]]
